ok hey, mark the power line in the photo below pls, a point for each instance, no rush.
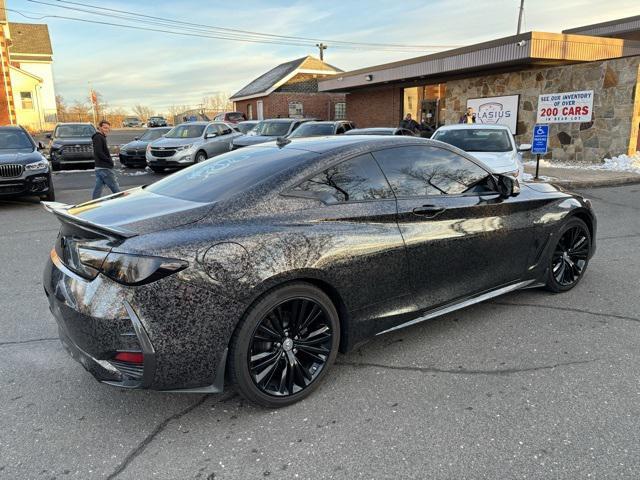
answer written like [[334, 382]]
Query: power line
[[230, 33]]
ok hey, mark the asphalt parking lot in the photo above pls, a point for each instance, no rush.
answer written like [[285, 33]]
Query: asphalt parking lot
[[530, 385]]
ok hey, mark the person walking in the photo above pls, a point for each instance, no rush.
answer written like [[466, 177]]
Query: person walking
[[468, 117], [104, 163]]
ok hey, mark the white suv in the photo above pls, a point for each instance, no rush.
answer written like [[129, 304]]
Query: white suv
[[493, 145]]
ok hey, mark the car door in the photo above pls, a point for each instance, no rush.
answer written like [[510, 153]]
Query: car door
[[209, 144], [224, 138], [462, 238], [368, 259]]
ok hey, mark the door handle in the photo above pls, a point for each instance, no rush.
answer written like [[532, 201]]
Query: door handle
[[429, 211]]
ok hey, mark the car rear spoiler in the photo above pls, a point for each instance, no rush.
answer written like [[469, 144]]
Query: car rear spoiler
[[61, 210]]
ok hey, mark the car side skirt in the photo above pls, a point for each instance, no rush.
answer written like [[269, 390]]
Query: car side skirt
[[462, 304]]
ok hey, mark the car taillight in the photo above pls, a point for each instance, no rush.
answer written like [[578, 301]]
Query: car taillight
[[125, 268], [129, 357]]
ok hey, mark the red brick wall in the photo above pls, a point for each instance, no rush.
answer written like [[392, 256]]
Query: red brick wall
[[7, 110], [375, 108], [316, 105]]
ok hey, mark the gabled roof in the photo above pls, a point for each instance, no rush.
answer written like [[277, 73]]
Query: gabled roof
[[24, 72], [268, 82], [30, 39]]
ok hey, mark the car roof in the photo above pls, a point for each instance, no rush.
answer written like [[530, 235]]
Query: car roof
[[345, 143], [473, 126], [200, 122]]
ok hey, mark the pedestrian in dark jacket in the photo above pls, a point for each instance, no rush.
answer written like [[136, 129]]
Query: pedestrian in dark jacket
[[104, 163], [468, 117], [410, 124]]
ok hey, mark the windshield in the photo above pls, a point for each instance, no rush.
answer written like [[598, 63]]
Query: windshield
[[235, 116], [186, 131], [156, 118], [245, 127], [63, 131], [227, 174], [272, 129], [476, 140], [14, 140], [313, 130], [153, 133]]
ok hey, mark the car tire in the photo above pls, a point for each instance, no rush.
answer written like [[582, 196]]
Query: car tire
[[50, 196], [201, 156], [55, 166], [157, 169], [569, 257], [299, 359]]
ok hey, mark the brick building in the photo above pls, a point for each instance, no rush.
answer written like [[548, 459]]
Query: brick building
[[290, 90], [603, 59]]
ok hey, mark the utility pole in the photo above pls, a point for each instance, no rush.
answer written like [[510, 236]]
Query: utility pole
[[322, 47], [520, 16]]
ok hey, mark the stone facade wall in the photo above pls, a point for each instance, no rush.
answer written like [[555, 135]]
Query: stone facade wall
[[616, 106]]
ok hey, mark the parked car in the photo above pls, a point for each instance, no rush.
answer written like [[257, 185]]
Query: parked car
[[190, 143], [319, 129], [259, 265], [133, 154], [246, 126], [230, 117], [156, 122], [23, 169], [71, 143], [131, 122], [381, 131], [493, 144], [268, 130]]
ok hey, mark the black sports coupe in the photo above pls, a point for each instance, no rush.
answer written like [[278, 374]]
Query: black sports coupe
[[259, 265]]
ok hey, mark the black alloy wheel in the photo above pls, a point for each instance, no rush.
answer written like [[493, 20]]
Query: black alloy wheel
[[570, 256], [285, 345]]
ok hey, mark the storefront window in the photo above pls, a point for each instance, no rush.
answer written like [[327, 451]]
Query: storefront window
[[425, 103], [341, 111]]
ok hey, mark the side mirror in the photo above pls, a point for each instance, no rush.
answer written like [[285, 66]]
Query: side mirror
[[508, 186], [524, 147], [210, 135], [48, 135]]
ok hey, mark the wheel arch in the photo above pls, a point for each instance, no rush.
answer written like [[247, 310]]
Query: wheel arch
[[584, 215]]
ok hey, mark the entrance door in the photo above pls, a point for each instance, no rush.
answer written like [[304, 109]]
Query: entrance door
[[260, 110]]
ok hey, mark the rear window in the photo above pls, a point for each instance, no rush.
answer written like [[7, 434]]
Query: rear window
[[476, 140], [228, 174]]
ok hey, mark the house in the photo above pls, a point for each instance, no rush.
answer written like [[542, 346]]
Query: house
[[290, 90], [27, 91]]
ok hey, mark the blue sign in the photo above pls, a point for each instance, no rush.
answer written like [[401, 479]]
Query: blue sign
[[540, 139]]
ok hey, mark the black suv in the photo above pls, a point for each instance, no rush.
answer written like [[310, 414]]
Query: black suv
[[23, 169], [71, 143], [156, 122]]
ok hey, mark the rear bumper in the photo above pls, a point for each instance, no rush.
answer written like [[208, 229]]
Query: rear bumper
[[98, 318]]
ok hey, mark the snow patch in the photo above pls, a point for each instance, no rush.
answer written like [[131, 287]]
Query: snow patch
[[621, 163]]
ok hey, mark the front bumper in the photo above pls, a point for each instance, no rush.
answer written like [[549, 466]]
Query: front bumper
[[132, 159], [175, 161], [36, 183], [100, 317], [60, 157]]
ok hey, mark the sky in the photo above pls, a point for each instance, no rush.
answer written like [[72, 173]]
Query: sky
[[158, 69]]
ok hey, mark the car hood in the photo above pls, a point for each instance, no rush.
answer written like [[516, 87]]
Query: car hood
[[21, 158], [247, 140], [499, 162], [135, 145], [72, 140], [136, 212], [174, 142]]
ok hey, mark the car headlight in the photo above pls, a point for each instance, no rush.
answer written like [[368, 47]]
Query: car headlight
[[39, 165], [184, 148]]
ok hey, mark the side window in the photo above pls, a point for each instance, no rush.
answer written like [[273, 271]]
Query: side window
[[356, 179], [224, 129], [340, 130], [211, 129], [417, 171]]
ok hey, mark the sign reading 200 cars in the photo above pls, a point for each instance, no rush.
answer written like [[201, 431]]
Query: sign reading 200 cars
[[565, 107]]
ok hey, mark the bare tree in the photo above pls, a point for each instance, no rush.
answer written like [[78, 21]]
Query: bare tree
[[61, 108], [80, 112], [218, 102], [143, 112]]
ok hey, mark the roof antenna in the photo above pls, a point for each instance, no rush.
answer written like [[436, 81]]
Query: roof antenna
[[282, 141]]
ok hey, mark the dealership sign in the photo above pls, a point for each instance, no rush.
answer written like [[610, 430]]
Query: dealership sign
[[496, 110], [565, 107]]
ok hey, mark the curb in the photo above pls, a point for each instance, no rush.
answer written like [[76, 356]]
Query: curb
[[598, 183]]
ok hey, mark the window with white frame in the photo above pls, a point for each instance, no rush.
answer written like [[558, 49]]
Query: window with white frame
[[296, 110], [27, 100], [340, 111], [250, 111]]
